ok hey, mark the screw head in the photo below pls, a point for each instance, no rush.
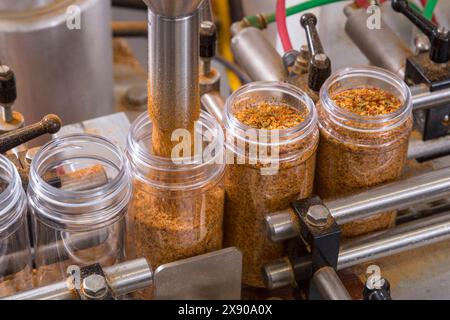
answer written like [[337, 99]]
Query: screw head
[[318, 215], [208, 29], [94, 286]]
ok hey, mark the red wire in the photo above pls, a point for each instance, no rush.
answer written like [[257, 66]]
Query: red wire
[[280, 16]]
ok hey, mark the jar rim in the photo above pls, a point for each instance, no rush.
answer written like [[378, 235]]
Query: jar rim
[[192, 168], [281, 87], [48, 200], [393, 119], [12, 199]]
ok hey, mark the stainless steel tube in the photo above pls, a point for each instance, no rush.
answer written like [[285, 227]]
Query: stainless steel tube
[[431, 99], [432, 148], [214, 104], [173, 62], [381, 46], [123, 278], [257, 56], [329, 285], [396, 195], [394, 241]]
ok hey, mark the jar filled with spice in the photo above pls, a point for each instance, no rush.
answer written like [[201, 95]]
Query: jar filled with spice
[[15, 255], [79, 192], [177, 206], [365, 118], [271, 143]]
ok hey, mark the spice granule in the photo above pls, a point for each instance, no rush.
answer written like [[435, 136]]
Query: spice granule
[[270, 117], [367, 101]]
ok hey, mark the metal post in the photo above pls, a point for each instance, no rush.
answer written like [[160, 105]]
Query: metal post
[[329, 285]]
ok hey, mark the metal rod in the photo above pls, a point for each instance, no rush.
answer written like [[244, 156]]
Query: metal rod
[[431, 99], [123, 278], [429, 149], [329, 285], [394, 241], [214, 104], [396, 195]]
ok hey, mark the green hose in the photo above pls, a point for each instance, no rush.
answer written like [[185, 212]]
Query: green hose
[[255, 21], [429, 9]]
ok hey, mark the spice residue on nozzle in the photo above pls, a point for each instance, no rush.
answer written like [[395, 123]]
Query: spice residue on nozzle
[[270, 117], [367, 101]]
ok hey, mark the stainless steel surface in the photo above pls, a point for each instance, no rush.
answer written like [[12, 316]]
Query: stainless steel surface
[[329, 285], [280, 227], [214, 104], [173, 62], [401, 194], [173, 8], [431, 99], [129, 276], [381, 46], [394, 241], [257, 56], [123, 278], [137, 96], [278, 274], [430, 148], [59, 70], [212, 276]]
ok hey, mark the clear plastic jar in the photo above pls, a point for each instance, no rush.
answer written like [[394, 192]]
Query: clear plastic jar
[[79, 192], [177, 206], [357, 152], [256, 186], [15, 254]]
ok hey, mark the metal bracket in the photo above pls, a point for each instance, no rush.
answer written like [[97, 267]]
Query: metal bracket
[[94, 284]]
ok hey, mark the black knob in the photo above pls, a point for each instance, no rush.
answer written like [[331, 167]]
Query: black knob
[[320, 64], [49, 124], [439, 39], [8, 92], [208, 39], [382, 292]]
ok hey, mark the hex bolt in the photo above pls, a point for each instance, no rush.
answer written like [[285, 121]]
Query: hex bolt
[[318, 215], [95, 286]]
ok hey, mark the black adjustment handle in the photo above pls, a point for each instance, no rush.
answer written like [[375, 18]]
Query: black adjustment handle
[[381, 293], [440, 40], [208, 39], [49, 124], [8, 92], [320, 64]]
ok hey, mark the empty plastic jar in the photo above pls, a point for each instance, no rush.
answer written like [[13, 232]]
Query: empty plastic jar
[[15, 254], [79, 193], [258, 183], [365, 143]]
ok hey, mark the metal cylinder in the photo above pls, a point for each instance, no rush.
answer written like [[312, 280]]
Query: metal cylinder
[[431, 99], [396, 195], [381, 46], [429, 149], [394, 241], [173, 61], [278, 274], [257, 56], [329, 285], [59, 67], [401, 194], [123, 278], [214, 104]]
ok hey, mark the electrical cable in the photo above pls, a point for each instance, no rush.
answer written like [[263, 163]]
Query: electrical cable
[[429, 9], [262, 20], [283, 32], [243, 77]]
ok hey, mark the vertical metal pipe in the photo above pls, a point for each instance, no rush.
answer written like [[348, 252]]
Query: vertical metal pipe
[[174, 94]]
